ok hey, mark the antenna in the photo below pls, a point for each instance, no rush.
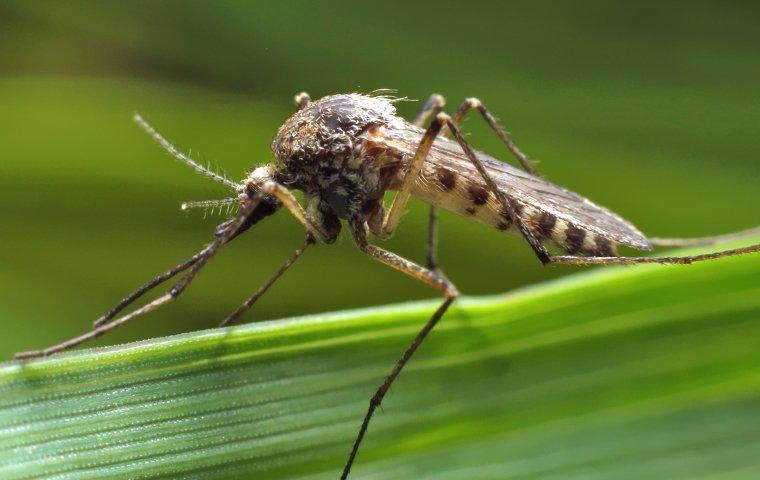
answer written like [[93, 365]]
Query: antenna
[[181, 156], [210, 203]]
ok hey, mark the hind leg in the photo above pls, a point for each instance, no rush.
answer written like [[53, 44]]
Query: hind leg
[[702, 241]]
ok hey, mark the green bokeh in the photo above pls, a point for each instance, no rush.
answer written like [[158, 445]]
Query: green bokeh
[[651, 109]]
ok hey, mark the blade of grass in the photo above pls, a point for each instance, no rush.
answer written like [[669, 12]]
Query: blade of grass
[[647, 372]]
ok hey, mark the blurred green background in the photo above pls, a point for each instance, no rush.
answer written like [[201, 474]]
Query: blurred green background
[[652, 109]]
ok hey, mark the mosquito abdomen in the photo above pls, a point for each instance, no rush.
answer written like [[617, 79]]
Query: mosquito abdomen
[[446, 189], [570, 238]]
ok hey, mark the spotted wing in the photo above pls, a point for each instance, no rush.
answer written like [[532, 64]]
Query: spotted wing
[[523, 187]]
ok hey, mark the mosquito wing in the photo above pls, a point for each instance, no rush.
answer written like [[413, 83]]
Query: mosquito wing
[[446, 155]]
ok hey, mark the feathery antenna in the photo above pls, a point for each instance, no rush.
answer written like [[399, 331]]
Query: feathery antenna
[[180, 156], [210, 203]]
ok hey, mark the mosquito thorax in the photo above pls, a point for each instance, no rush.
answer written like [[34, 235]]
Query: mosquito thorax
[[328, 129], [321, 148]]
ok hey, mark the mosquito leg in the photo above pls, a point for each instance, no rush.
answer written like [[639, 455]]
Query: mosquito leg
[[695, 242], [682, 260], [291, 203], [507, 203], [422, 274], [432, 240], [433, 106], [172, 294], [393, 215], [154, 282], [474, 103], [263, 289]]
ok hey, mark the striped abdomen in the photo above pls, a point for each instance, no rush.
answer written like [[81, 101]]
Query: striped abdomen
[[450, 180], [470, 198]]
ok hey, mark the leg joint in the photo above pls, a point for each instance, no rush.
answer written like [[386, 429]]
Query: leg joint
[[473, 103], [442, 119], [451, 291], [366, 248], [437, 100]]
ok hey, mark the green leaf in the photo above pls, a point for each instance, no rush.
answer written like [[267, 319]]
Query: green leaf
[[646, 372]]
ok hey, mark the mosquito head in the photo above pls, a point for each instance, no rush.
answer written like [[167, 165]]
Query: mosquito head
[[250, 190], [328, 129], [268, 206], [252, 187]]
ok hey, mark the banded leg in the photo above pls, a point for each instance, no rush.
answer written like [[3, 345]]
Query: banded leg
[[275, 276], [176, 290], [433, 106], [472, 104], [422, 274]]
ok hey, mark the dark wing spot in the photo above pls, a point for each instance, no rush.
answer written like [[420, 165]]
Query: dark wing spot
[[446, 178], [545, 224], [470, 210], [503, 225], [478, 195], [574, 237], [604, 247]]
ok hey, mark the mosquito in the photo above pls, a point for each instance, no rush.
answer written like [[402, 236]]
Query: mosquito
[[344, 152]]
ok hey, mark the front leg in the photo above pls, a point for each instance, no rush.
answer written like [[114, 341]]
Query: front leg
[[314, 224], [475, 104], [194, 264]]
